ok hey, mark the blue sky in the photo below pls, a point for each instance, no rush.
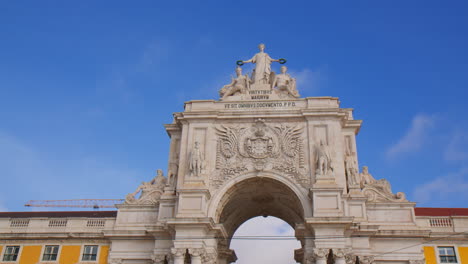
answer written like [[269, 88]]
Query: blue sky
[[86, 86]]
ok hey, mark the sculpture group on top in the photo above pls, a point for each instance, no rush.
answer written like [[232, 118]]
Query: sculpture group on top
[[262, 78]]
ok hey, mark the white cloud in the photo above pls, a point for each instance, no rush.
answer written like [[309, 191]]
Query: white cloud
[[414, 138], [308, 80], [445, 190], [457, 147], [265, 251]]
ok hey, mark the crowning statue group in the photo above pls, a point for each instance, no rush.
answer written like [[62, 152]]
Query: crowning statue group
[[262, 77]]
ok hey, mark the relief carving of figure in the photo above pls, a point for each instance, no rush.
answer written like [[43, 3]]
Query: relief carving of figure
[[238, 85], [262, 62], [285, 83], [150, 191], [378, 190], [196, 160], [323, 159]]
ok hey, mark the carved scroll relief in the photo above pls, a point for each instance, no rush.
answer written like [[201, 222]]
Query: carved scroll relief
[[259, 147]]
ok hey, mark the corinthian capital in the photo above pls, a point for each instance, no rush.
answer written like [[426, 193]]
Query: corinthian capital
[[178, 252], [196, 252], [321, 253], [366, 259], [350, 258], [340, 252]]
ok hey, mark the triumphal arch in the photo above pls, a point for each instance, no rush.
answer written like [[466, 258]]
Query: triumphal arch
[[262, 150]]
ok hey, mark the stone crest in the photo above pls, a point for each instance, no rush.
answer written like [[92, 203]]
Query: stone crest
[[259, 147]]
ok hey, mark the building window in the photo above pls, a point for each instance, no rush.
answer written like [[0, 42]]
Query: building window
[[447, 255], [11, 253], [50, 253], [90, 253]]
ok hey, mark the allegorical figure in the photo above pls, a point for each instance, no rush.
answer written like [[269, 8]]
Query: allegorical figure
[[352, 172], [262, 66], [285, 83], [196, 160], [240, 84], [323, 159], [367, 179], [150, 191]]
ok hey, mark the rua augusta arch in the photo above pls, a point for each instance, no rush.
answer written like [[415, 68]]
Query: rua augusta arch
[[261, 150]]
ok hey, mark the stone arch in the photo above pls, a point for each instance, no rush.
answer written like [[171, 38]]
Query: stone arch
[[259, 194]]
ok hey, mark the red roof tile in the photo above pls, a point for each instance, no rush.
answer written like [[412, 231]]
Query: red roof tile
[[429, 211]]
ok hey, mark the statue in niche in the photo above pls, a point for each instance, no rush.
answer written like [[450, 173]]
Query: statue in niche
[[150, 191], [323, 160], [285, 83], [196, 160], [262, 71], [352, 172], [172, 174], [238, 85]]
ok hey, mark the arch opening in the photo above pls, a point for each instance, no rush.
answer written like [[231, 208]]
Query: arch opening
[[258, 196], [264, 240]]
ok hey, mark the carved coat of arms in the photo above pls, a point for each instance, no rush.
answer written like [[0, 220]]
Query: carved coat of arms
[[259, 147]]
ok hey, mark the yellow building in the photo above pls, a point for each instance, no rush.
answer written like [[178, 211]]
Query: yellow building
[[55, 237], [79, 237]]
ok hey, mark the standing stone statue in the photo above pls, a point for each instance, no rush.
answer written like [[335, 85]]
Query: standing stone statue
[[240, 85], [262, 66], [352, 172], [285, 83], [196, 160], [323, 159]]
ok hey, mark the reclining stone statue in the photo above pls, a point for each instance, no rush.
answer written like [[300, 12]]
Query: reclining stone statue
[[378, 190], [150, 191], [238, 85]]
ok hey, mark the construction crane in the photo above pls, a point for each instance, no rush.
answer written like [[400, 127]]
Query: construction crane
[[84, 203]]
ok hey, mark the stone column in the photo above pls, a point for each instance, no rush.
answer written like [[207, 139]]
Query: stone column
[[178, 255], [320, 256], [339, 255], [196, 255]]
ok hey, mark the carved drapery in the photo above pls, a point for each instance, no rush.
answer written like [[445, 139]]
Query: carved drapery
[[260, 147]]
